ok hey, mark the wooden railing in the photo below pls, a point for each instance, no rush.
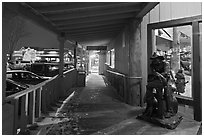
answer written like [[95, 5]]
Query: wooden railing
[[31, 103], [128, 88]]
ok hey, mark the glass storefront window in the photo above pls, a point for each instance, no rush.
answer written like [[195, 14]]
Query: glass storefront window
[[175, 44]]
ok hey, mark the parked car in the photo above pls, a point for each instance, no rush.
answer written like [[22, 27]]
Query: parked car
[[13, 87], [45, 69], [25, 77], [48, 69]]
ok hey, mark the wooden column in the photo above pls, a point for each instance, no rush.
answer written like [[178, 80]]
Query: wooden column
[[31, 110], [196, 83], [175, 59], [75, 56], [4, 56], [23, 116], [102, 60], [38, 105], [134, 63], [61, 39]]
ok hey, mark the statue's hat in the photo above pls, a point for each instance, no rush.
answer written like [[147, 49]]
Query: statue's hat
[[156, 56]]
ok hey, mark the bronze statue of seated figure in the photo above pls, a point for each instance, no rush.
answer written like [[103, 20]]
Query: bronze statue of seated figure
[[162, 106]]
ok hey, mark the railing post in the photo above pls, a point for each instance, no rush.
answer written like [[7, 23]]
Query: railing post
[[15, 103], [31, 110], [38, 102], [23, 117], [125, 89], [44, 100]]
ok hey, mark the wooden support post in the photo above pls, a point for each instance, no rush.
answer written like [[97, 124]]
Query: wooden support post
[[52, 92], [61, 39], [135, 63], [38, 102], [15, 103], [61, 47], [75, 56], [125, 89], [31, 111], [23, 117], [196, 84], [26, 104], [44, 99]]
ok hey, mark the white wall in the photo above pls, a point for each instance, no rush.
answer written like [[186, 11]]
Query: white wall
[[166, 11]]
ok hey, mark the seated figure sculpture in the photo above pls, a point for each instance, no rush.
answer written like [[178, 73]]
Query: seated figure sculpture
[[162, 106], [160, 101]]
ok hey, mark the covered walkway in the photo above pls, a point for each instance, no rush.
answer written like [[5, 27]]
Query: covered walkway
[[97, 109], [124, 36]]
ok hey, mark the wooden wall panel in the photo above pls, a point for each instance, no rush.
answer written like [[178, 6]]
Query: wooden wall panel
[[194, 8], [178, 10], [165, 11], [185, 9], [154, 14]]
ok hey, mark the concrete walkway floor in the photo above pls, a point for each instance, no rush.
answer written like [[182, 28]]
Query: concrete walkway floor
[[96, 109]]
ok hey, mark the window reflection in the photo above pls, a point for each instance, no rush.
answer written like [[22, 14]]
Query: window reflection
[[175, 44]]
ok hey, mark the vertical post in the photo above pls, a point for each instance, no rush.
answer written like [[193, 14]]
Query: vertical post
[[75, 56], [38, 102], [61, 39], [4, 56], [134, 61], [23, 117], [196, 85], [102, 58], [31, 111], [175, 59], [15, 103], [43, 98], [149, 46], [61, 47]]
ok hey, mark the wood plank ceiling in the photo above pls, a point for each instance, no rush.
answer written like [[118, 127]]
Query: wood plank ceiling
[[89, 23]]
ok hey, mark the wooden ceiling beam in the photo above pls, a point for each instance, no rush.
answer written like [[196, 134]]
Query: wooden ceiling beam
[[91, 37], [145, 9], [94, 19], [85, 25], [98, 23], [77, 6], [94, 32], [95, 28], [91, 13]]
